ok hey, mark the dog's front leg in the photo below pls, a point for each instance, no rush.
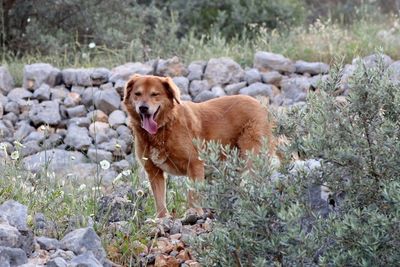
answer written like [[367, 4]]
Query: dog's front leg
[[158, 186]]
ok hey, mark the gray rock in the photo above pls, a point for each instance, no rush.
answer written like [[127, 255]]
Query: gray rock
[[12, 107], [114, 145], [84, 240], [182, 83], [97, 115], [120, 86], [35, 136], [5, 131], [48, 243], [295, 88], [196, 70], [3, 99], [39, 73], [125, 134], [252, 76], [23, 130], [348, 71], [53, 140], [204, 96], [186, 98], [101, 132], [171, 67], [88, 96], [196, 87], [54, 159], [312, 68], [30, 148], [11, 117], [107, 100], [6, 80], [256, 89], [233, 89], [266, 61], [394, 70], [12, 257], [72, 99], [218, 91], [59, 92], [271, 77], [18, 94], [97, 155], [9, 236], [78, 138], [223, 71], [77, 77], [86, 259], [79, 121], [47, 112], [1, 110], [372, 60], [78, 111], [42, 93], [116, 118], [124, 72], [77, 89], [100, 76], [15, 213], [176, 227], [121, 165], [64, 254], [57, 262]]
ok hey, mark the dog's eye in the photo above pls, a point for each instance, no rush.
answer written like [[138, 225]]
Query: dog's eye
[[138, 94], [155, 94]]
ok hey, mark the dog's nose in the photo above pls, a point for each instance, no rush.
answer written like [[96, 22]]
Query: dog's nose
[[143, 109]]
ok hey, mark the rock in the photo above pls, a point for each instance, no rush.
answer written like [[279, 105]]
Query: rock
[[266, 61], [23, 130], [186, 98], [233, 89], [78, 138], [57, 262], [196, 87], [67, 255], [9, 236], [218, 91], [166, 261], [97, 155], [97, 115], [53, 140], [79, 121], [107, 100], [182, 83], [295, 88], [125, 134], [59, 92], [88, 96], [78, 111], [12, 257], [117, 146], [348, 71], [86, 259], [312, 68], [271, 77], [196, 70], [372, 60], [120, 86], [222, 71], [101, 132], [15, 213], [204, 96], [47, 112], [54, 159], [100, 76], [37, 74], [84, 240], [6, 80], [124, 72], [77, 77], [35, 136], [176, 227], [5, 131], [11, 118], [256, 89], [171, 67], [73, 99], [30, 148], [42, 93], [394, 71], [252, 76], [48, 243], [1, 110], [12, 107], [77, 89], [18, 94], [121, 165], [116, 118]]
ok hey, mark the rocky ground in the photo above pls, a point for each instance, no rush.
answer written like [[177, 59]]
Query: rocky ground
[[71, 120]]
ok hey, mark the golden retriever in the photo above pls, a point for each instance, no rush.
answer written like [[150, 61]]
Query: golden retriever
[[164, 129]]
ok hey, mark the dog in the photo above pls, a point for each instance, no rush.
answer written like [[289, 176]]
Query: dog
[[165, 127]]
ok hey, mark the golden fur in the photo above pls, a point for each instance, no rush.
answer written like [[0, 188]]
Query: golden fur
[[164, 136]]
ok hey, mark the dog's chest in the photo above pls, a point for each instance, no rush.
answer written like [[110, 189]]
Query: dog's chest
[[160, 157]]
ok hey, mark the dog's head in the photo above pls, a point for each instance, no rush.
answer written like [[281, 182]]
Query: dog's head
[[149, 99]]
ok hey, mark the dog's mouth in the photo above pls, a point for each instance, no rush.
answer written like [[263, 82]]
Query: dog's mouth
[[149, 123]]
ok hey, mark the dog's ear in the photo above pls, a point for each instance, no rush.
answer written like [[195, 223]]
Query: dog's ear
[[129, 86], [172, 89]]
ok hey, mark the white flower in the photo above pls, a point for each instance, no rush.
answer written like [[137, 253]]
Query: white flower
[[117, 146], [81, 187], [116, 179], [28, 20], [15, 155], [104, 164], [127, 172], [92, 45], [139, 193], [18, 144]]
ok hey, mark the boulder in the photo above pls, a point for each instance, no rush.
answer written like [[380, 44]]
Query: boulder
[[394, 70], [266, 61], [196, 70], [19, 93], [252, 76], [204, 96], [196, 87], [47, 243], [97, 155], [88, 96], [222, 71], [39, 73], [23, 130], [372, 60], [295, 88], [78, 111], [6, 80], [116, 118], [107, 100], [312, 68], [100, 76], [257, 89], [171, 67], [78, 138], [47, 112], [182, 83], [12, 257], [86, 259], [72, 99], [15, 213], [233, 89], [271, 77], [43, 92], [9, 236], [124, 72], [77, 77]]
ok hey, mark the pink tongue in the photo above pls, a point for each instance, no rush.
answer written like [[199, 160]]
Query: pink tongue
[[149, 125]]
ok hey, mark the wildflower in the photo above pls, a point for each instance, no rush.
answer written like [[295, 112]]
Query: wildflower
[[104, 164], [15, 155], [117, 146], [119, 176], [81, 187], [92, 45], [139, 193], [18, 144], [127, 172]]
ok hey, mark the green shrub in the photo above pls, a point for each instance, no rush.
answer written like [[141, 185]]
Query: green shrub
[[267, 218]]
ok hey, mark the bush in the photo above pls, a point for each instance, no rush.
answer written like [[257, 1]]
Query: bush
[[268, 218]]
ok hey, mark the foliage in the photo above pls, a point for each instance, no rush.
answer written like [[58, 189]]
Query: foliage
[[268, 218]]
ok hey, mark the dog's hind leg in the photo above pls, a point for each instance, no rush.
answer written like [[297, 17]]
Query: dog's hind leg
[[196, 174]]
